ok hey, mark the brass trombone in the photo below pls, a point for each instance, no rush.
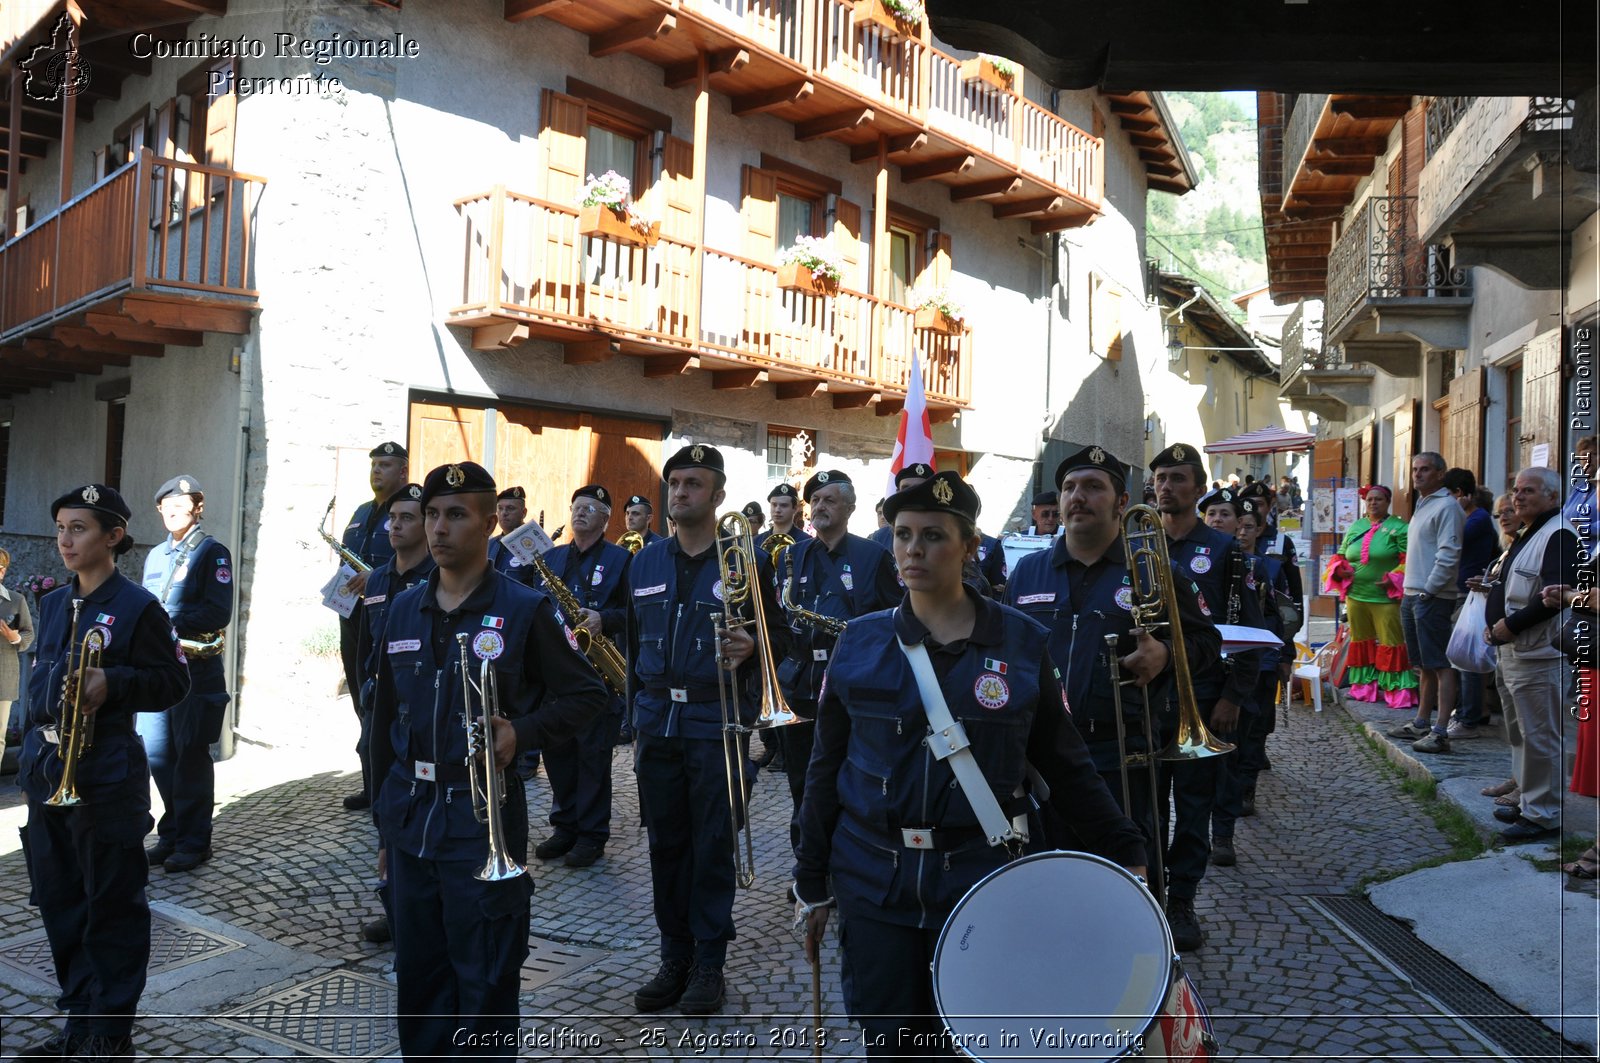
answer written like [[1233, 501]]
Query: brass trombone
[[76, 727], [487, 783], [736, 563]]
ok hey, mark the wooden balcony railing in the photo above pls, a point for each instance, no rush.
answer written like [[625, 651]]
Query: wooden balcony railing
[[525, 261], [155, 224]]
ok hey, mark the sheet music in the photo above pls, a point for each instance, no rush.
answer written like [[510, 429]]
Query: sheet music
[[528, 542], [335, 597]]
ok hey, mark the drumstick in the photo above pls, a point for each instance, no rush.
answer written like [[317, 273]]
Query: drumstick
[[816, 1003]]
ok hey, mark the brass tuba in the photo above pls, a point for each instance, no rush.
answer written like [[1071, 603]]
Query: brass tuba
[[774, 545], [487, 783], [631, 541], [76, 727]]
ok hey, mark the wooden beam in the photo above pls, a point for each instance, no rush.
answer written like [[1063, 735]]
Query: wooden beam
[[124, 328], [498, 336], [888, 407], [588, 352], [1335, 198], [852, 400], [1309, 213], [1349, 146], [1367, 107], [772, 99], [829, 124], [1023, 207], [986, 189], [734, 379], [901, 144], [942, 414], [189, 315], [667, 365], [725, 61], [950, 164], [1071, 219], [1339, 167], [1131, 108], [45, 352], [627, 36], [798, 389], [86, 339], [521, 10]]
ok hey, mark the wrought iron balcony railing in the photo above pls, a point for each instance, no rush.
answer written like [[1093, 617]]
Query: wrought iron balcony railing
[[1302, 340], [1297, 133], [1381, 257]]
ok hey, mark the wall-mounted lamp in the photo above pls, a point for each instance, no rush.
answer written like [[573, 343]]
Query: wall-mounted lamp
[[1174, 345]]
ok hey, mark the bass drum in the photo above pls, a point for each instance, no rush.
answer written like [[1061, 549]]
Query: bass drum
[[1065, 955]]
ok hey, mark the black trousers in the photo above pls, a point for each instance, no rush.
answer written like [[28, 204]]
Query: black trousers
[[796, 741], [178, 743], [580, 780], [348, 631], [889, 988], [1193, 787]]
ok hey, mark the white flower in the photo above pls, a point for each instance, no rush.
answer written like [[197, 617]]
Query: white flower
[[906, 10], [816, 254], [941, 300], [610, 189]]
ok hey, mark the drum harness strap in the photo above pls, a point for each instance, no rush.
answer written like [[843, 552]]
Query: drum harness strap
[[948, 742]]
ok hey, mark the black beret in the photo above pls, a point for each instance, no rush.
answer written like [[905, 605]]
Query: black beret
[[917, 470], [387, 450], [753, 511], [1256, 489], [639, 500], [518, 493], [1248, 506], [694, 456], [1095, 457], [97, 497], [464, 478], [1222, 496], [783, 491], [1177, 454], [825, 478], [594, 491], [408, 493], [946, 492], [182, 484], [1046, 498]]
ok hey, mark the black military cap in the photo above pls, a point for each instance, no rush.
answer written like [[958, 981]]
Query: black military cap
[[387, 450], [639, 500], [1095, 457], [1257, 489], [825, 478], [1046, 498], [918, 470], [1222, 496], [182, 484], [594, 491], [408, 493], [783, 491], [1177, 454], [694, 456], [464, 478], [1248, 506], [946, 492], [97, 497], [519, 493], [753, 511]]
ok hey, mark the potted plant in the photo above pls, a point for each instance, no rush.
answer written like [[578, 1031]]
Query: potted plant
[[605, 210], [39, 586], [993, 70], [938, 312], [812, 266], [902, 18]]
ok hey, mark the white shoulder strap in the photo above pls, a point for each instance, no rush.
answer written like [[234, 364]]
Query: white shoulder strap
[[949, 742]]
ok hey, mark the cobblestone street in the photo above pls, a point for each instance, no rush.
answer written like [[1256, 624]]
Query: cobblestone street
[[258, 953]]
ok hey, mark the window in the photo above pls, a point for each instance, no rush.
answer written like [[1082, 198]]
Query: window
[[608, 149], [787, 448], [116, 423], [902, 265], [796, 217]]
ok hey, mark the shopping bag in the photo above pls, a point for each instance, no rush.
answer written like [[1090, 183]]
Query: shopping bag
[[1336, 657], [1468, 650]]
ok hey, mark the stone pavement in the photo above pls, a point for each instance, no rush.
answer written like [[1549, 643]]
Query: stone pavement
[[277, 913]]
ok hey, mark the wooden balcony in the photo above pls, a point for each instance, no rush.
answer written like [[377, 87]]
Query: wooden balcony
[[529, 274], [815, 64], [158, 252]]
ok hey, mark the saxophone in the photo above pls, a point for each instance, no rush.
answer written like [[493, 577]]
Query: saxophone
[[601, 651], [828, 625]]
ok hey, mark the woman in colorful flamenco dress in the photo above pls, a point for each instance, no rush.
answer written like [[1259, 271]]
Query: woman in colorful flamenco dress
[[1370, 580]]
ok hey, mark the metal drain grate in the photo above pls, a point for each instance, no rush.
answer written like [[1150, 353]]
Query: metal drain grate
[[551, 960], [334, 1015], [1472, 1002], [172, 945]]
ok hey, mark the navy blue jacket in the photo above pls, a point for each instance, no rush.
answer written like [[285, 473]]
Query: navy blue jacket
[[383, 585], [419, 741], [367, 534], [991, 560], [193, 580], [884, 537], [1082, 604], [145, 672], [1270, 581], [859, 579], [1207, 557], [871, 775], [598, 578], [509, 564]]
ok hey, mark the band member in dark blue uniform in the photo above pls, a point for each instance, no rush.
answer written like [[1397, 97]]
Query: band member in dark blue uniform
[[460, 941], [86, 861], [638, 512], [1082, 591], [1273, 542], [367, 536], [1276, 666], [1216, 564], [992, 563], [596, 572], [677, 721], [510, 513], [1046, 509], [191, 574], [886, 823], [909, 476], [833, 574], [784, 501]]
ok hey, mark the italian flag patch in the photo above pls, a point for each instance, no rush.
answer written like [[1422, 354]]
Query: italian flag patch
[[494, 621], [992, 665]]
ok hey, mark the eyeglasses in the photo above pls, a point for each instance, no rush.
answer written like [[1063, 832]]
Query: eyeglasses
[[586, 510]]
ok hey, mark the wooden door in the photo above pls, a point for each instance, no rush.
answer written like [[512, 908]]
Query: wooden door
[[1464, 439], [1541, 402], [442, 433]]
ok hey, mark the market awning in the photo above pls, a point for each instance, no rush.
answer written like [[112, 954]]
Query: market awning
[[1269, 440]]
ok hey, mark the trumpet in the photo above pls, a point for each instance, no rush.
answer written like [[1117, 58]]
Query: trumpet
[[485, 779], [76, 728], [347, 555]]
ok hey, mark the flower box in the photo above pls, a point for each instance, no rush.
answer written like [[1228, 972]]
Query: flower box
[[610, 224], [795, 277], [877, 13], [982, 68], [932, 319]]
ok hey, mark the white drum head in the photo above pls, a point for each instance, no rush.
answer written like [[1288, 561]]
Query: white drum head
[[1058, 955]]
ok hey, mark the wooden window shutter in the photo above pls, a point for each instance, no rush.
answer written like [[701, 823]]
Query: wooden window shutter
[[1368, 460], [847, 238], [1413, 146], [760, 214], [943, 261], [1541, 400], [563, 139], [221, 115], [166, 126], [1105, 318], [677, 178], [1404, 448], [1466, 419]]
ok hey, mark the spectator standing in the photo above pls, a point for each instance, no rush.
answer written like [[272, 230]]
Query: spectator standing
[[1479, 546], [1432, 561], [16, 635], [1375, 547]]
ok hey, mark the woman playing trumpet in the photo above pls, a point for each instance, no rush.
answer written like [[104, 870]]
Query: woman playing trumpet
[[84, 771]]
